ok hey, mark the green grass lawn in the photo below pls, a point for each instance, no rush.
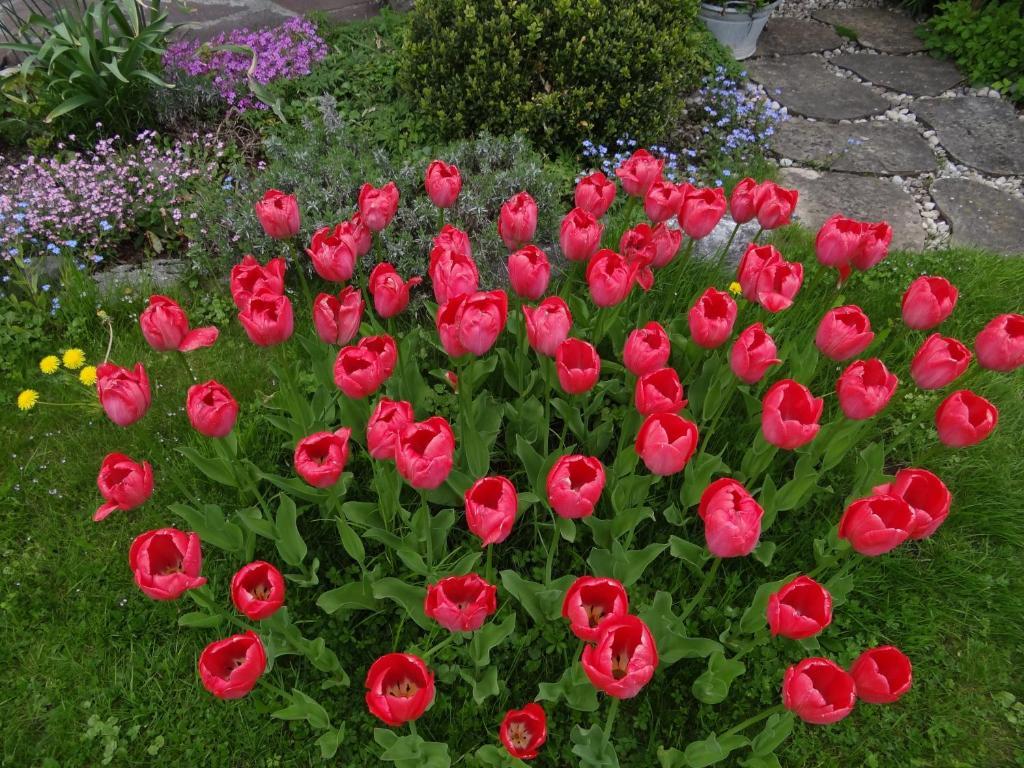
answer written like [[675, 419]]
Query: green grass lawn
[[95, 673]]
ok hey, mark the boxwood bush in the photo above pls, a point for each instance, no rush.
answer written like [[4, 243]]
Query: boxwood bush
[[559, 70]]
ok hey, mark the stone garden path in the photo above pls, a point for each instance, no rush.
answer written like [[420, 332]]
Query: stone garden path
[[880, 130]]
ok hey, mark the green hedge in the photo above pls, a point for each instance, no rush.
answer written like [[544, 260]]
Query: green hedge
[[559, 70]]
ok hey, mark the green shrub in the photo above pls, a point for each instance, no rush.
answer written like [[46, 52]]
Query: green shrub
[[561, 71], [987, 43]]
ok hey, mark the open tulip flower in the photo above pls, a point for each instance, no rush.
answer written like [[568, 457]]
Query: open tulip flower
[[666, 242], [165, 327], [425, 452], [524, 731], [928, 301], [529, 272], [595, 194], [927, 495], [258, 590], [451, 238], [249, 277], [790, 414], [337, 318], [360, 369], [577, 365], [461, 603], [443, 183], [355, 229], [590, 602], [399, 688], [800, 609], [843, 332], [378, 206], [877, 524], [268, 318], [752, 354], [472, 323], [574, 485], [1000, 345], [517, 220], [711, 318], [865, 388], [662, 201], [965, 418], [388, 420], [491, 505], [637, 245], [166, 563], [774, 204], [666, 442], [390, 292], [638, 172], [124, 394], [610, 277], [623, 659], [939, 361], [777, 284], [818, 691], [647, 349], [579, 237], [124, 484], [320, 458], [333, 254], [547, 325], [882, 675], [231, 668], [278, 214], [732, 518], [453, 273], [700, 210], [659, 391], [754, 261]]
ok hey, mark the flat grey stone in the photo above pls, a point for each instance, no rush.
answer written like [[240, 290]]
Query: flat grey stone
[[710, 246], [981, 132], [916, 75], [207, 19], [806, 87], [981, 216], [875, 28], [860, 197], [787, 36], [879, 147], [157, 273]]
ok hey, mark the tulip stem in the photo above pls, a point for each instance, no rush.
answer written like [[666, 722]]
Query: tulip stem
[[613, 710], [757, 237], [724, 255], [434, 649], [489, 571], [755, 719], [429, 536], [550, 564], [412, 723], [708, 578]]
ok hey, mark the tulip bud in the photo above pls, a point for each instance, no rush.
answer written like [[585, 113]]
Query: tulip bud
[[756, 258], [843, 332], [876, 524], [610, 278], [928, 301], [741, 201], [666, 243], [938, 362], [337, 318], [574, 485], [647, 349], [378, 206], [333, 254], [278, 214], [882, 675], [662, 201], [965, 418], [700, 210], [595, 194], [838, 242], [390, 293], [711, 318], [491, 507], [452, 273], [818, 691], [732, 518], [211, 409], [443, 183], [790, 414], [425, 453], [778, 284], [874, 246], [577, 365], [529, 272], [124, 394], [579, 236], [1000, 345], [774, 204], [665, 442], [752, 354], [124, 484], [165, 327], [517, 220], [547, 325]]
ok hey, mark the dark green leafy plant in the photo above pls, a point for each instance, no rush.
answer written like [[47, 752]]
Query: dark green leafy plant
[[87, 64], [986, 42], [560, 71]]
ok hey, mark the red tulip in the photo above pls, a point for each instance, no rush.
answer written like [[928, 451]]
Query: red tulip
[[166, 563], [865, 388], [356, 230], [278, 214], [623, 659], [789, 415], [647, 349], [481, 320], [800, 609], [577, 365], [638, 172], [230, 668], [211, 409], [701, 210], [662, 201], [333, 254], [939, 361], [378, 206], [1000, 345], [320, 458], [712, 318], [529, 272], [818, 691], [123, 394], [574, 485], [447, 322], [843, 332], [754, 261], [452, 273], [741, 201], [595, 194], [250, 277], [390, 293], [268, 319], [257, 590], [876, 524], [778, 284], [874, 246], [443, 183], [637, 245], [165, 327], [337, 318], [579, 236], [517, 220], [732, 518], [491, 507], [399, 688], [524, 731], [453, 239], [927, 495], [838, 242], [360, 369], [386, 423], [425, 452], [610, 278], [774, 204], [666, 244], [548, 325], [659, 391], [665, 442], [928, 301], [590, 602], [965, 418], [752, 354], [461, 603], [882, 675], [124, 484]]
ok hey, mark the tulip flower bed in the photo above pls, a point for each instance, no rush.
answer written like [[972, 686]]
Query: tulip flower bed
[[550, 531]]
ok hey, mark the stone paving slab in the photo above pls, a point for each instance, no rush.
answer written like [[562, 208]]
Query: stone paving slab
[[981, 216], [979, 131], [916, 75], [786, 36], [806, 87], [875, 28], [860, 197], [881, 148], [206, 19]]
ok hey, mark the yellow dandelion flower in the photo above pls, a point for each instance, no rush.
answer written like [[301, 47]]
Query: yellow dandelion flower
[[88, 375], [74, 359], [27, 400], [735, 288], [49, 364]]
